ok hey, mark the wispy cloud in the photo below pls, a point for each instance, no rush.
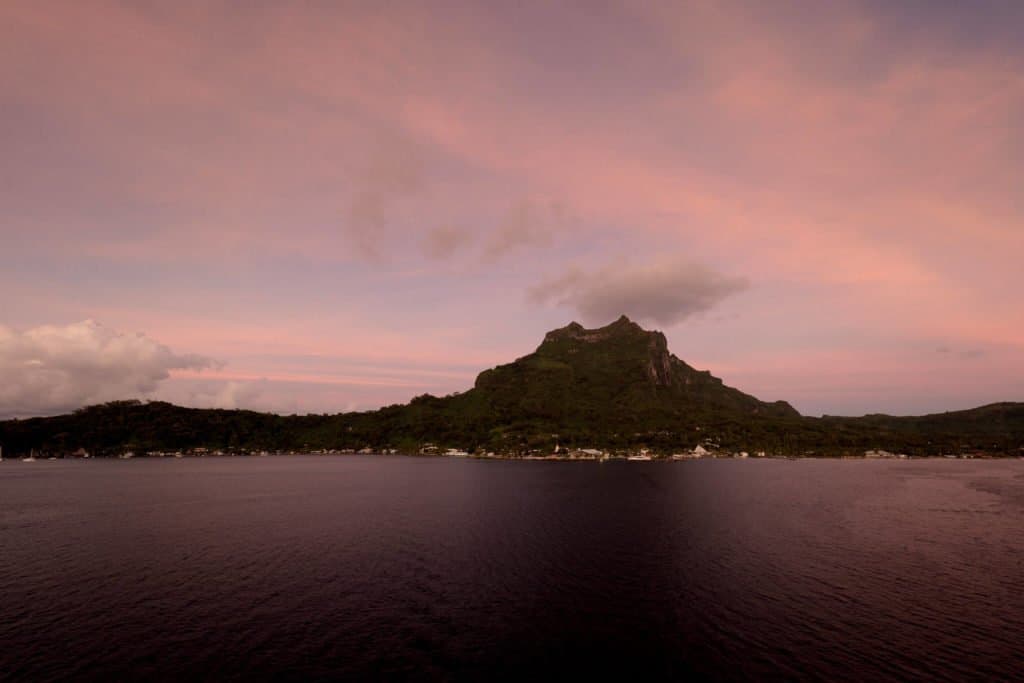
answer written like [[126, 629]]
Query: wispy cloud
[[394, 173], [526, 224], [967, 354], [444, 241]]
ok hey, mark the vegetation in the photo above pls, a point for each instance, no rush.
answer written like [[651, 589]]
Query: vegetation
[[615, 388]]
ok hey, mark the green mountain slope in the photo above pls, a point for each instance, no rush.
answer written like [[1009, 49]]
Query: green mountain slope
[[620, 372]]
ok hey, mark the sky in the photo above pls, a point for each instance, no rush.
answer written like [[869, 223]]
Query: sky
[[331, 206]]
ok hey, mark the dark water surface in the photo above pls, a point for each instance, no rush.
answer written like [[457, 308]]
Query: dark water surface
[[423, 568]]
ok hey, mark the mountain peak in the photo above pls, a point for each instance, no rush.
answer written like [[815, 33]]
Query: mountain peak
[[623, 326]]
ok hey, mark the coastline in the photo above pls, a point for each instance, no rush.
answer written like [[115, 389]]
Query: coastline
[[604, 457]]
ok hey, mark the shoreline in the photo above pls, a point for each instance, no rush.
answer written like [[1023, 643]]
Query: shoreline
[[531, 458]]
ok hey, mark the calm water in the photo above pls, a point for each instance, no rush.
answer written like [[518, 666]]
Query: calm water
[[393, 567]]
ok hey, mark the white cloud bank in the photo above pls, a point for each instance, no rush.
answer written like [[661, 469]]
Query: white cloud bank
[[665, 293], [51, 369], [227, 394]]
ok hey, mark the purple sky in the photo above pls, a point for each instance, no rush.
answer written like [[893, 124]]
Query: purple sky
[[331, 206]]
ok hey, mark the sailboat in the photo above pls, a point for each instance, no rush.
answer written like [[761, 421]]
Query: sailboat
[[31, 457]]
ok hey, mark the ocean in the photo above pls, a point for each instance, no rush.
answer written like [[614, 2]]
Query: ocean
[[409, 568]]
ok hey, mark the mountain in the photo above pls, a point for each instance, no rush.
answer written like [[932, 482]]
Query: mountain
[[614, 387], [618, 374]]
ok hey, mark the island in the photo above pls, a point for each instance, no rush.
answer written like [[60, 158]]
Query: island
[[596, 394]]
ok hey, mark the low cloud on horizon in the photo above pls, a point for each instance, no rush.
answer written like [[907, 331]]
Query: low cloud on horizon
[[54, 369], [663, 293]]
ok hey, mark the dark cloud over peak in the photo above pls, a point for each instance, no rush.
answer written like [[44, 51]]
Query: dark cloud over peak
[[665, 293]]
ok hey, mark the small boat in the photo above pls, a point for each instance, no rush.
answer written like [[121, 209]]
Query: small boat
[[639, 457], [31, 457]]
